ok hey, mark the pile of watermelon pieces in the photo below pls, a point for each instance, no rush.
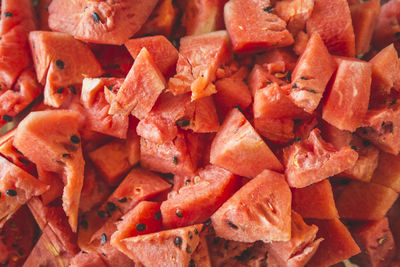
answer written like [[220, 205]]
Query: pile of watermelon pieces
[[199, 133]]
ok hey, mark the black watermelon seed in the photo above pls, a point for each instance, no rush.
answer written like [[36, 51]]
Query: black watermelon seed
[[7, 118], [72, 89], [24, 161], [140, 227], [95, 17], [75, 139], [178, 241], [11, 192], [179, 213], [196, 231], [182, 123], [239, 108], [59, 90], [111, 206], [66, 155], [188, 250], [366, 143], [208, 222], [157, 216], [101, 213], [234, 226], [190, 235], [103, 239], [60, 64], [123, 200], [192, 263], [175, 160], [268, 9], [8, 14]]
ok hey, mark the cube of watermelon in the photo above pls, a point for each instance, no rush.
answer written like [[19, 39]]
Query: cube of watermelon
[[260, 210], [238, 148], [387, 172], [253, 28], [376, 242], [315, 201]]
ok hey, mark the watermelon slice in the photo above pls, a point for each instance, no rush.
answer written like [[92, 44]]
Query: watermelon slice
[[100, 22], [170, 248], [97, 95], [260, 210], [61, 154], [253, 28], [60, 62], [239, 149], [210, 188]]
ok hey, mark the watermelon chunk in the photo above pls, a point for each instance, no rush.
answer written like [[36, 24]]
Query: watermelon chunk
[[364, 16], [315, 201], [260, 77], [199, 58], [314, 160], [260, 210], [346, 102], [238, 148], [278, 59], [87, 260], [338, 244], [171, 248], [376, 242], [160, 49], [387, 172], [141, 88], [143, 219], [295, 13], [61, 61], [387, 25], [338, 138], [115, 158], [61, 154], [19, 13], [253, 28], [97, 95], [100, 22], [332, 20], [210, 189], [201, 256], [365, 201], [312, 74], [301, 246], [16, 187]]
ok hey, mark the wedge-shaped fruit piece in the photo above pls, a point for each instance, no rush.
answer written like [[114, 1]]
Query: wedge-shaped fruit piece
[[260, 77], [61, 61], [314, 160], [376, 242], [239, 149], [364, 16], [346, 101], [201, 256], [210, 188], [252, 27], [365, 201], [141, 88], [16, 187], [179, 156], [385, 71], [17, 13], [312, 74], [332, 20], [315, 201], [260, 210], [100, 22], [84, 259], [301, 246], [115, 158], [62, 153], [97, 95], [161, 51], [143, 219], [382, 128], [166, 248], [388, 171], [199, 58], [338, 244]]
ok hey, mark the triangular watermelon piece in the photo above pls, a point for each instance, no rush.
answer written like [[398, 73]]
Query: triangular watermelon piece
[[62, 153], [260, 210], [169, 248]]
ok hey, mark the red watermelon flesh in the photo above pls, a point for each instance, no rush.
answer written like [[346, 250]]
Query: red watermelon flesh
[[210, 188], [387, 172], [238, 148], [332, 20], [338, 138], [161, 51], [179, 156], [346, 102], [55, 182], [314, 160], [301, 246], [253, 29], [312, 74], [144, 219], [260, 210], [387, 25], [97, 104], [383, 129], [365, 201], [141, 88], [278, 131], [61, 61], [17, 13], [16, 187], [259, 78], [376, 242], [337, 245], [61, 154], [167, 248], [201, 256], [199, 58], [315, 201], [84, 259], [364, 16], [295, 13], [277, 59], [100, 21]]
